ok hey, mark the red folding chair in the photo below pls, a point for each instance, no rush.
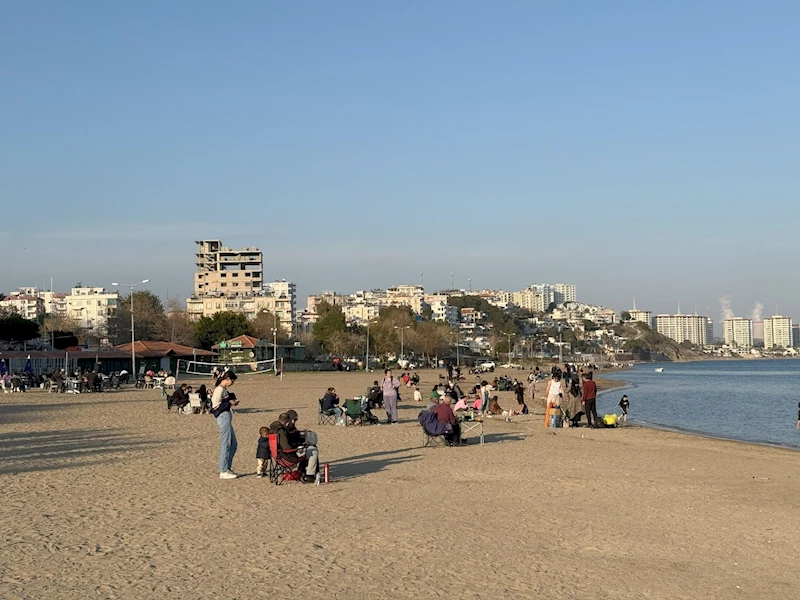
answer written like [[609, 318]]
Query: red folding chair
[[281, 469]]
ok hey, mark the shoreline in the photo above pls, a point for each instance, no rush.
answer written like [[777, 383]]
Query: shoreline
[[619, 385]]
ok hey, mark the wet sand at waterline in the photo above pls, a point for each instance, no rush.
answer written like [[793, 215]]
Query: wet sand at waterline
[[109, 496]]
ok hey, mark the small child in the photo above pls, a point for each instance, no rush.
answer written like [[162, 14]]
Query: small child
[[798, 415], [624, 404], [262, 454]]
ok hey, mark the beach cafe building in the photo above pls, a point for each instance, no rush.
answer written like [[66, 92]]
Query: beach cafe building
[[157, 355], [248, 349], [69, 360]]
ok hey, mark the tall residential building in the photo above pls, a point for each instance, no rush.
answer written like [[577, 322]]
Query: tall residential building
[[738, 332], [225, 271], [777, 332], [285, 293], [796, 335], [92, 307], [564, 293], [682, 328], [641, 316]]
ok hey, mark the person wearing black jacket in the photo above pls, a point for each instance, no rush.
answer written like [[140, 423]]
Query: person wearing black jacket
[[262, 453]]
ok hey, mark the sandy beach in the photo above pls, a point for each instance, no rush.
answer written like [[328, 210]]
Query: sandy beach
[[109, 496]]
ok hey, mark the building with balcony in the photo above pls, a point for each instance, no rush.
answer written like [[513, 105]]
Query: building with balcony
[[738, 333], [223, 270], [92, 307], [685, 328], [777, 332]]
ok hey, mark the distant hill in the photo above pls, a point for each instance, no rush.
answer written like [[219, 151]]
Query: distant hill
[[641, 339]]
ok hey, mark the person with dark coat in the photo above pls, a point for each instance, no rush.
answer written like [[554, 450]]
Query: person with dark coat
[[262, 452]]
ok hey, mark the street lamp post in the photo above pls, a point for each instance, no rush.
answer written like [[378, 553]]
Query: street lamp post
[[508, 335], [366, 357], [402, 347], [130, 286]]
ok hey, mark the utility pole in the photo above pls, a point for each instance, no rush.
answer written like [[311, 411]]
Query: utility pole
[[508, 335], [366, 358]]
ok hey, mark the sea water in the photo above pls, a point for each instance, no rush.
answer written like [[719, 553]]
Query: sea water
[[749, 400]]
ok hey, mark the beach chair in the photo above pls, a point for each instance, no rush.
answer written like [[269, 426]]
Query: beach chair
[[429, 440], [353, 415], [195, 404], [280, 469], [325, 418]]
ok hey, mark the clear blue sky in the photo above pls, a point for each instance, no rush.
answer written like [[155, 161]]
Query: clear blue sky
[[647, 149]]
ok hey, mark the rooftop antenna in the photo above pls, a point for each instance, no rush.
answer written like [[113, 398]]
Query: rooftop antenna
[[679, 308], [634, 303]]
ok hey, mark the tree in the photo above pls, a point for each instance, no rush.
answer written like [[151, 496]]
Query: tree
[[625, 316], [432, 338], [589, 325], [262, 326], [177, 326], [148, 313], [331, 320], [18, 329], [222, 326]]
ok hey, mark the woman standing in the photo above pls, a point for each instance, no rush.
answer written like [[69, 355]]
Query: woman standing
[[389, 387], [553, 395], [221, 402]]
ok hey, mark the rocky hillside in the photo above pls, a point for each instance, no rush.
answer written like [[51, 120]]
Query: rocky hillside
[[640, 339]]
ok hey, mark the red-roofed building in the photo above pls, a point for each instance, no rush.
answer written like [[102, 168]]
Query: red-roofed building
[[164, 355]]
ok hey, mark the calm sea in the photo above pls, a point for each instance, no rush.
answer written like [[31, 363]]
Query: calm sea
[[749, 400]]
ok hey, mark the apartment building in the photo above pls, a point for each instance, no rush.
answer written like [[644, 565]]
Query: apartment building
[[796, 335], [738, 332], [641, 316], [227, 271], [27, 307], [777, 332], [92, 307], [681, 328]]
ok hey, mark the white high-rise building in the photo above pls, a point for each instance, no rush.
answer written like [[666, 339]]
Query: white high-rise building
[[682, 328], [738, 332], [777, 332], [641, 316], [564, 292]]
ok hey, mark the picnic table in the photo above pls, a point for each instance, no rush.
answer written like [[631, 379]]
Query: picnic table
[[468, 424]]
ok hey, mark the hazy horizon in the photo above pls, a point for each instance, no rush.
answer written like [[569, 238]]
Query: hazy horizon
[[634, 150]]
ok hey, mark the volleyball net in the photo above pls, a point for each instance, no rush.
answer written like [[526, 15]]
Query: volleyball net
[[200, 368]]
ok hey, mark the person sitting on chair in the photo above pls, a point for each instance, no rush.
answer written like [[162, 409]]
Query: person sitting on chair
[[179, 398], [289, 453], [375, 396], [444, 414], [330, 403]]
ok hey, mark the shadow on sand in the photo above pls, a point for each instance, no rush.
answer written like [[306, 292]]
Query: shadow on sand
[[350, 468], [23, 452]]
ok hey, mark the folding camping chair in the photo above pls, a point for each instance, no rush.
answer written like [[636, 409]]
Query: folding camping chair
[[280, 469], [325, 418], [195, 404]]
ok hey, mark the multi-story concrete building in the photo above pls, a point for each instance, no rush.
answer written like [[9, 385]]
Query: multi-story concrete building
[[777, 332], [442, 311], [223, 270], [232, 280], [564, 292], [285, 293], [27, 307], [682, 328], [54, 303], [92, 307], [796, 335], [738, 332], [641, 316]]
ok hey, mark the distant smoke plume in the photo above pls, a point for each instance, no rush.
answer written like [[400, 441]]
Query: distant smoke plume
[[725, 306], [758, 312]]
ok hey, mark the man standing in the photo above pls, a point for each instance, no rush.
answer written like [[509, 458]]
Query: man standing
[[589, 399]]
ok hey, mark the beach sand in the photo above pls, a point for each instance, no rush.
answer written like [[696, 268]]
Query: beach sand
[[109, 496]]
